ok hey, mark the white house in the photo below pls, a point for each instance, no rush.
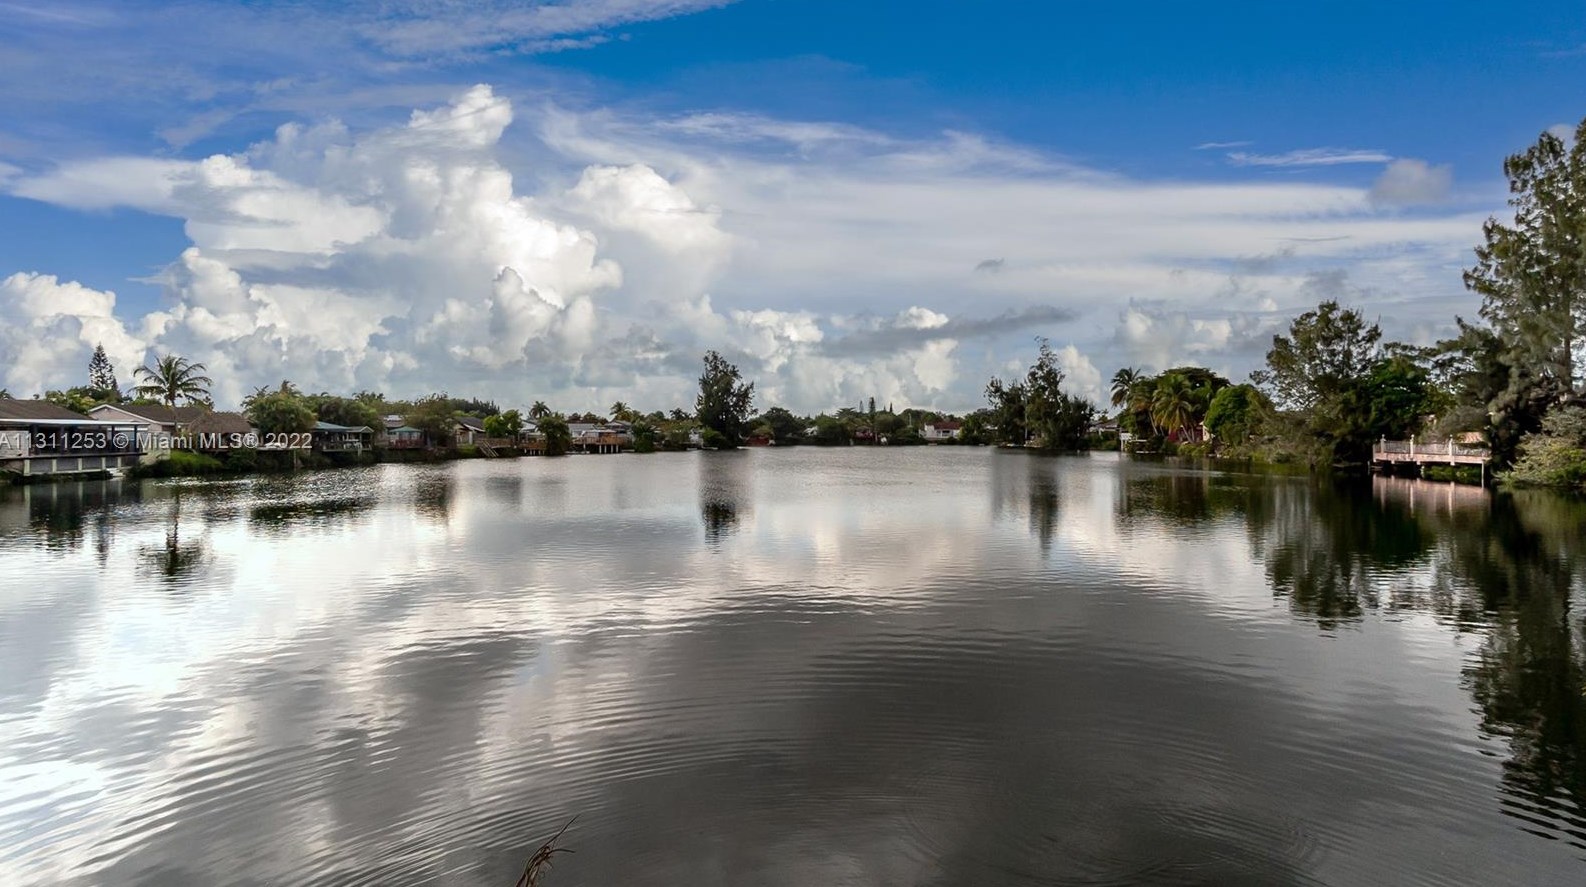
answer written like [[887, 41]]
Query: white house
[[942, 430], [158, 424]]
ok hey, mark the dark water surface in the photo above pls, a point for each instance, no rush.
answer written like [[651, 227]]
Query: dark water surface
[[798, 667]]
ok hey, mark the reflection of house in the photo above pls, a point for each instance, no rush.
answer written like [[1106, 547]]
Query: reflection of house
[[943, 430], [329, 438], [40, 438]]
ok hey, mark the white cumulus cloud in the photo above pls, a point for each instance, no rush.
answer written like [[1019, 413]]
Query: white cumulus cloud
[[582, 255], [51, 327]]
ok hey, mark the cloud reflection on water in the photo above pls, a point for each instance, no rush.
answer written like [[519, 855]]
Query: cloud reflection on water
[[857, 674]]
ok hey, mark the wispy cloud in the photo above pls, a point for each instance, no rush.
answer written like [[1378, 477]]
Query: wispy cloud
[[892, 338], [1211, 146], [60, 13], [188, 67], [1565, 52], [419, 28], [1311, 157]]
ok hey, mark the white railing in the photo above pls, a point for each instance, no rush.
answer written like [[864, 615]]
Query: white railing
[[1414, 449]]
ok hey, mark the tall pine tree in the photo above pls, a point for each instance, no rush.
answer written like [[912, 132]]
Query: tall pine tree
[[1532, 274], [101, 375]]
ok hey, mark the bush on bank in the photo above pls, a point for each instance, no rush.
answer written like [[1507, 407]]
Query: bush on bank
[[1554, 456]]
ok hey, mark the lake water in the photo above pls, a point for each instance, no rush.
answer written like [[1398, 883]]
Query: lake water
[[796, 667]]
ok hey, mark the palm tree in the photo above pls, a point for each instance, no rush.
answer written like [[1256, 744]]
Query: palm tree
[[1173, 404], [621, 412], [1140, 394], [251, 399], [539, 410], [172, 377], [1122, 382]]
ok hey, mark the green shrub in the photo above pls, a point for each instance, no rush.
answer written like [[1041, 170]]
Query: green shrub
[[241, 459], [1556, 455], [181, 463]]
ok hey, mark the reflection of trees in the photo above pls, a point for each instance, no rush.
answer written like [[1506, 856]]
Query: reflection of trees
[[310, 512], [1025, 486], [1508, 567], [723, 492], [505, 489], [1529, 676], [1181, 498], [1325, 546], [1043, 498], [175, 560], [432, 495]]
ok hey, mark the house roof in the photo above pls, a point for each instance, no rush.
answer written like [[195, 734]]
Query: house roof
[[220, 423], [945, 425], [327, 426], [34, 409], [159, 412], [473, 422]]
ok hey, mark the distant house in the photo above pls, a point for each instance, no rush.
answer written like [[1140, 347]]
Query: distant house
[[159, 417], [1104, 427], [331, 438], [217, 431], [39, 438], [160, 425], [404, 437], [469, 430], [941, 430], [531, 439], [606, 438]]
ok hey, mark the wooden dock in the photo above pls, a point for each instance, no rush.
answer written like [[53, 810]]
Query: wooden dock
[[1389, 454]]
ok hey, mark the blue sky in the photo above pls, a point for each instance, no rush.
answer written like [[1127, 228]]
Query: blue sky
[[851, 198]]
